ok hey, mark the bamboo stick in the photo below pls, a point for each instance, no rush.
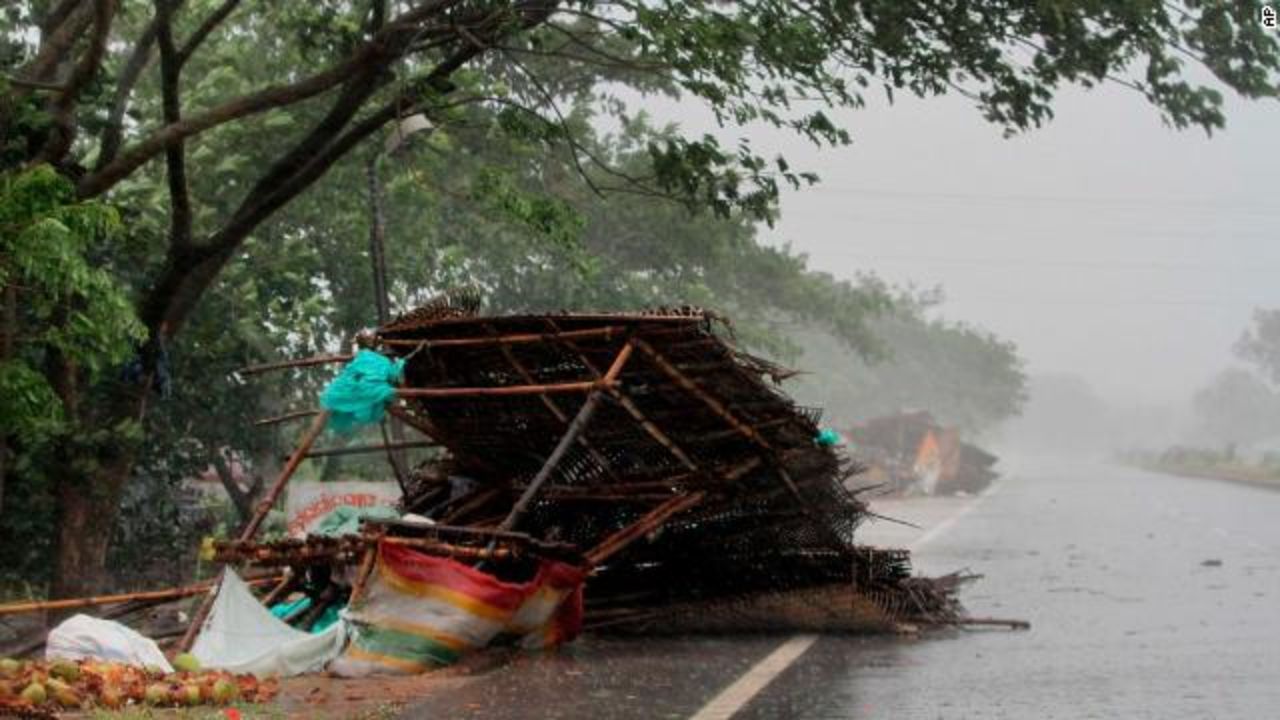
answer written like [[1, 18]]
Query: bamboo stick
[[707, 399], [627, 404], [570, 436], [420, 424], [359, 449], [1011, 624], [436, 547], [148, 595], [362, 575], [299, 454], [276, 420], [286, 585], [554, 408], [286, 364], [498, 391], [605, 332], [651, 520]]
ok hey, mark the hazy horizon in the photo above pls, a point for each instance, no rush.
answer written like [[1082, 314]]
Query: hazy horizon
[[1104, 244]]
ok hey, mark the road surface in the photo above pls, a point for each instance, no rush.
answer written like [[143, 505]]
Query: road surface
[[1150, 596]]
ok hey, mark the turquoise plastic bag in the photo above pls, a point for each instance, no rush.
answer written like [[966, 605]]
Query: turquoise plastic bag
[[360, 393], [345, 519], [827, 438]]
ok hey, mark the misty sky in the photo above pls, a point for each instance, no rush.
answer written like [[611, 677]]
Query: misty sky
[[1104, 244]]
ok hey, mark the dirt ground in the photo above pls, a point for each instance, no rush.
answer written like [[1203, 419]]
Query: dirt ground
[[321, 696]]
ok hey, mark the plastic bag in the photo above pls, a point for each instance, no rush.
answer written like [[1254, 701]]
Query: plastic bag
[[360, 393], [82, 637]]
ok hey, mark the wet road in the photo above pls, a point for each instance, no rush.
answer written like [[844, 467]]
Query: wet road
[[1150, 597]]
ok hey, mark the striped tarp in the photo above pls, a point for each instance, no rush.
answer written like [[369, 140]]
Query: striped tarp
[[419, 611]]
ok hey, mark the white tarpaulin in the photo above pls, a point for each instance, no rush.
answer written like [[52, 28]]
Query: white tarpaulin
[[81, 637], [242, 636]]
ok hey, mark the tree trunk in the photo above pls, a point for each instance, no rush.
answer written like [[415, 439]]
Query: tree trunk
[[89, 479], [243, 500], [87, 508], [6, 353]]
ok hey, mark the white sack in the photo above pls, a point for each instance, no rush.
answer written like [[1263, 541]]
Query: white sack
[[81, 637], [242, 636]]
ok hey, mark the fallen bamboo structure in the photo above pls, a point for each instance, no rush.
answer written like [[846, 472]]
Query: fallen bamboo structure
[[641, 447], [680, 472]]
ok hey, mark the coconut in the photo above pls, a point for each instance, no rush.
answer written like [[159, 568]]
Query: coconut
[[157, 694], [224, 691], [186, 662], [65, 670], [63, 694], [35, 694], [9, 667]]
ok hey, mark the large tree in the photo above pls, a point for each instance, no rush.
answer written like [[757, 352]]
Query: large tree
[[343, 69]]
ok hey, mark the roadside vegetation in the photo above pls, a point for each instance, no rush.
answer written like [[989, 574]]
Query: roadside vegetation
[[1235, 433]]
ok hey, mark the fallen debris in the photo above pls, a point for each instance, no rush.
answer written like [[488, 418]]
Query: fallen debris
[[911, 453], [630, 472]]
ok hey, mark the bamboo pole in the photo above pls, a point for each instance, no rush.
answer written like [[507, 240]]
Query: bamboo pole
[[570, 436], [286, 364], [362, 575], [420, 424], [145, 596], [276, 420], [554, 408], [359, 449], [498, 391], [707, 399], [627, 404], [264, 507], [605, 332], [649, 522], [281, 590], [299, 454], [997, 622]]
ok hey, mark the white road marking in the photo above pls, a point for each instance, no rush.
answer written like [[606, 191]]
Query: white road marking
[[749, 684], [947, 524], [733, 698]]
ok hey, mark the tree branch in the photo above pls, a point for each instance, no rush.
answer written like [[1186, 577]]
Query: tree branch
[[268, 98], [175, 153], [113, 131], [210, 23], [376, 53], [55, 46], [63, 105], [57, 15], [190, 271]]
